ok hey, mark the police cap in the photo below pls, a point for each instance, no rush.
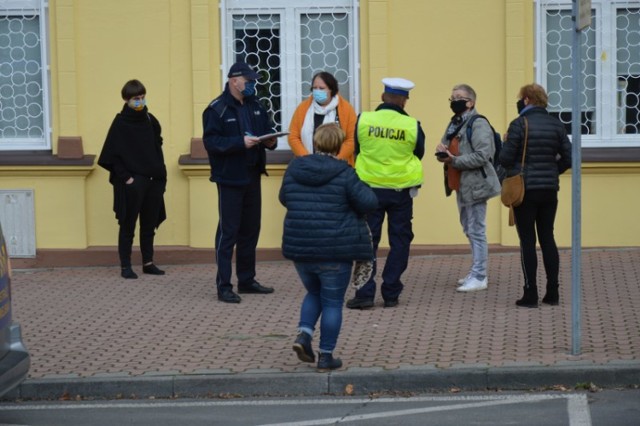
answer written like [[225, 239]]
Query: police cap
[[242, 69], [398, 86]]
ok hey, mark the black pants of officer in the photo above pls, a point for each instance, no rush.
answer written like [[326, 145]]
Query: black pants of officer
[[398, 206], [239, 209], [143, 199]]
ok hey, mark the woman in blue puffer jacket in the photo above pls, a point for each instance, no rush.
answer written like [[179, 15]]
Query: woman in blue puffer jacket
[[324, 232]]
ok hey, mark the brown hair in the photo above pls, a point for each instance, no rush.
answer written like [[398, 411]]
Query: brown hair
[[536, 94], [328, 138], [329, 80]]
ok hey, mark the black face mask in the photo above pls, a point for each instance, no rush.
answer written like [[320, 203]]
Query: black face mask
[[459, 106], [520, 105]]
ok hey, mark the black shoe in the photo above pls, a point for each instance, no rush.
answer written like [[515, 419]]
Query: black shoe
[[390, 303], [254, 288], [302, 347], [152, 269], [529, 300], [128, 273], [527, 303], [357, 303], [327, 362], [229, 297], [551, 297]]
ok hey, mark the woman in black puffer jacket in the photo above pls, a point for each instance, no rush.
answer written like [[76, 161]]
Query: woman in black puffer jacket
[[324, 232], [548, 155]]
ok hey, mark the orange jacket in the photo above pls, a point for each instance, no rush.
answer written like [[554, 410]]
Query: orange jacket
[[347, 117]]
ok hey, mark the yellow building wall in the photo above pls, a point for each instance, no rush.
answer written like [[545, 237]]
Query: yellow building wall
[[174, 48]]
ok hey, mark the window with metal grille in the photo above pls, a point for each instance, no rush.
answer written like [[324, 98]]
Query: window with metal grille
[[24, 111], [289, 42], [610, 100]]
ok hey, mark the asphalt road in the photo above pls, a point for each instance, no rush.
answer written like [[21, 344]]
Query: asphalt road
[[603, 408]]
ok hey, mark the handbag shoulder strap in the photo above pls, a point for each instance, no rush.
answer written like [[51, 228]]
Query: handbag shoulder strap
[[526, 139]]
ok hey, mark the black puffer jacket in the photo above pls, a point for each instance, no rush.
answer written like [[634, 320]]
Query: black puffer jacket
[[326, 203], [548, 149]]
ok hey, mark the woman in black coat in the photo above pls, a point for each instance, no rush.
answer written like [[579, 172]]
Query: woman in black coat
[[548, 155], [132, 153]]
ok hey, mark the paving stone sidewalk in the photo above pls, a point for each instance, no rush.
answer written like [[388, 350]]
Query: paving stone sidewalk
[[89, 324]]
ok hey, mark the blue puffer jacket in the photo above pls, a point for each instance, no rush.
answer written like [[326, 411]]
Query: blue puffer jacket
[[325, 203]]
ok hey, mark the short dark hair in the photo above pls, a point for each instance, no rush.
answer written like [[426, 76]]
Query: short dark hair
[[536, 94], [394, 98], [133, 88], [329, 80]]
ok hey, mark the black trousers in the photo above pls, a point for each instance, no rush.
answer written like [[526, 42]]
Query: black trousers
[[144, 200], [239, 209], [537, 214], [398, 207]]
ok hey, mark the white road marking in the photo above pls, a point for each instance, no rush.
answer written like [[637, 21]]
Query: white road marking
[[409, 412], [578, 409], [74, 405]]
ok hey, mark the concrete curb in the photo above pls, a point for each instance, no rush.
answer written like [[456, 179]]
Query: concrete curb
[[361, 381]]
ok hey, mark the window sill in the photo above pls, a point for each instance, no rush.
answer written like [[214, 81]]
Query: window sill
[[21, 163], [610, 155], [41, 158]]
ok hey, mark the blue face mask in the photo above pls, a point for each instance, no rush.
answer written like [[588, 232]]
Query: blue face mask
[[137, 104], [249, 88], [320, 96]]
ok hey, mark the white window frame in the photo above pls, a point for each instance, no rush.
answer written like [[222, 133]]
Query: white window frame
[[606, 135], [290, 61], [41, 8]]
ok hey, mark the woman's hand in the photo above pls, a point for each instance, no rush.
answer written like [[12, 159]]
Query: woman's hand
[[443, 158], [129, 181]]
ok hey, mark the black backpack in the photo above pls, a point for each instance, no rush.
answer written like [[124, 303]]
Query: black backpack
[[497, 141]]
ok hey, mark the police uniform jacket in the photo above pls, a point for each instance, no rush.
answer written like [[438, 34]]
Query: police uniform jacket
[[224, 135], [326, 203], [378, 162], [478, 179], [548, 150]]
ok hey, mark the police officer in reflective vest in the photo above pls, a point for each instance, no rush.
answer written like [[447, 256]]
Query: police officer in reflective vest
[[389, 145]]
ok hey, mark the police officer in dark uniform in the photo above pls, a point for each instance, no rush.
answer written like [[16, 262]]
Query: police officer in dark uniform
[[232, 124], [389, 145]]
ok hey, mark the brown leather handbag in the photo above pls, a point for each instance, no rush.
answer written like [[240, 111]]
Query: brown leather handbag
[[513, 186]]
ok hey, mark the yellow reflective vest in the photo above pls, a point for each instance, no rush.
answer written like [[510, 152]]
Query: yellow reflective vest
[[386, 142]]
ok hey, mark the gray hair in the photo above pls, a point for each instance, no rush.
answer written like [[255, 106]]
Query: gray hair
[[466, 88]]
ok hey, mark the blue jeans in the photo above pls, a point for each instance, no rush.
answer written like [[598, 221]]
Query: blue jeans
[[326, 284], [473, 221]]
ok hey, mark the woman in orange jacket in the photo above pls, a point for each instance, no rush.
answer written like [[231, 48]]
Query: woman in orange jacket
[[323, 106]]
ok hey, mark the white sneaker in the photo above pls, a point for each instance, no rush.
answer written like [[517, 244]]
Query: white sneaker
[[473, 284], [462, 280]]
